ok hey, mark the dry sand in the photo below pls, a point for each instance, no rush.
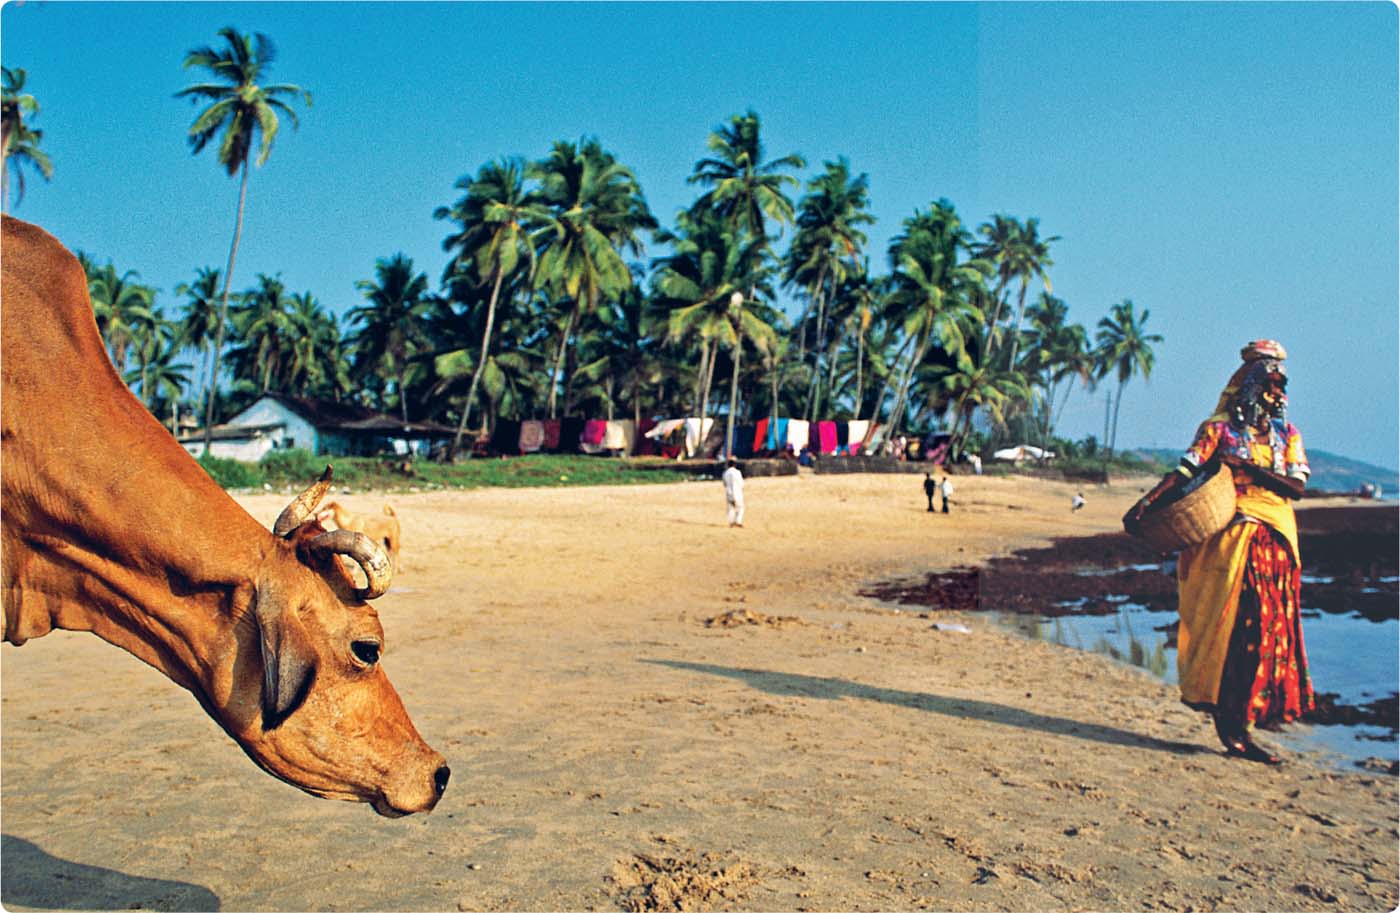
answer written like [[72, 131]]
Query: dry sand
[[610, 749]]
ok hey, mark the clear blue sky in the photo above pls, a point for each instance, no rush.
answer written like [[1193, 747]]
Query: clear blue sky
[[1231, 168]]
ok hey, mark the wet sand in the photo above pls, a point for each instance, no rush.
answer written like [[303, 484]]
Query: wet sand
[[645, 709]]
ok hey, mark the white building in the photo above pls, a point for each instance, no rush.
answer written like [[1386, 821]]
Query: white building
[[278, 421]]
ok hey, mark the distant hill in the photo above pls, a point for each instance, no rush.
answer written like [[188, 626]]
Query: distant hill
[[1330, 472]]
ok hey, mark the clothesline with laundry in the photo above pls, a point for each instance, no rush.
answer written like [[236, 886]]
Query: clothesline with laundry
[[684, 438]]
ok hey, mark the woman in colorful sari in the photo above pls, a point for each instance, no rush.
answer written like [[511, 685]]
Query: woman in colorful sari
[[1240, 650]]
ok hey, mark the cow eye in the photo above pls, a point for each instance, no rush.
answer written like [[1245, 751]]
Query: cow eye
[[366, 651]]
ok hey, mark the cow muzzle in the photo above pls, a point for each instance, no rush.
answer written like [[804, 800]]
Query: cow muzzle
[[414, 787]]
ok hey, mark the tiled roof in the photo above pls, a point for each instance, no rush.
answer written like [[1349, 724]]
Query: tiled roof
[[328, 415]]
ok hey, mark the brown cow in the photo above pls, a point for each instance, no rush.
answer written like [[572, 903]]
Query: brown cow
[[111, 527]]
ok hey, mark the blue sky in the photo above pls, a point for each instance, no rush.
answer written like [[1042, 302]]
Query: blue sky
[[1230, 167]]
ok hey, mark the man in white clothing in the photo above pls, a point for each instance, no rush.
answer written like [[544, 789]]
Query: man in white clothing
[[945, 488], [734, 493]]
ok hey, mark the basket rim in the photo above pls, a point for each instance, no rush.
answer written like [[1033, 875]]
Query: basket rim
[[1194, 518]]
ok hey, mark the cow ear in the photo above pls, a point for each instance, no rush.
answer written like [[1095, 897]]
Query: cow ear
[[289, 663]]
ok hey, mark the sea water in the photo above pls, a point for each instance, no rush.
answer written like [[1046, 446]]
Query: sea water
[[1348, 654]]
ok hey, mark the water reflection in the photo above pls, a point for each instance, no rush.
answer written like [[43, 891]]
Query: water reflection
[[1352, 655], [1112, 635]]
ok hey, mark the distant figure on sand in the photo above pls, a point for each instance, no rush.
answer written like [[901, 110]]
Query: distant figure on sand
[[734, 492], [1240, 653], [945, 488], [1077, 501], [929, 487]]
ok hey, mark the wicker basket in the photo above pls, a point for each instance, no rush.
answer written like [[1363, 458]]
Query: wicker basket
[[1195, 518]]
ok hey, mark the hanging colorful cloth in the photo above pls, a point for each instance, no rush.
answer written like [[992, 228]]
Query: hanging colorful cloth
[[531, 436], [797, 432], [593, 431], [761, 437], [551, 435]]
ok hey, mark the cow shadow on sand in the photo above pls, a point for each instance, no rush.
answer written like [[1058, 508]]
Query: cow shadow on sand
[[787, 684], [34, 878]]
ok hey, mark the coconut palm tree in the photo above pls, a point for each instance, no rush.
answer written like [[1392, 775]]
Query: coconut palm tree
[[1055, 351], [122, 307], [240, 112], [744, 190], [1019, 253], [266, 335], [932, 289], [1125, 349], [164, 378], [18, 140], [711, 260], [595, 210], [743, 321], [200, 315], [315, 366], [826, 247], [153, 337], [393, 325], [496, 217], [860, 301], [968, 388], [1030, 256], [620, 344]]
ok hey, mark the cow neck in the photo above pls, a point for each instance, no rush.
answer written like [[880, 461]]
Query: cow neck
[[111, 526], [169, 574]]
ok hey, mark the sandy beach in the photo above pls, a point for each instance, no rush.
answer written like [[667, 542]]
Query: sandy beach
[[645, 709]]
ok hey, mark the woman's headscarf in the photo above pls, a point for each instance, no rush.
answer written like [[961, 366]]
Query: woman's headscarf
[[1242, 399]]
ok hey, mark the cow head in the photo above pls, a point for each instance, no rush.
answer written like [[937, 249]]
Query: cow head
[[322, 715]]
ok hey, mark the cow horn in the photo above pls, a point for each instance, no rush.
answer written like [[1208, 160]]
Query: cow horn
[[302, 505], [364, 551]]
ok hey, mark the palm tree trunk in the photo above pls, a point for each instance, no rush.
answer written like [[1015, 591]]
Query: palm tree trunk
[[1050, 392], [1016, 331], [989, 345], [1117, 401], [700, 374], [831, 369], [559, 361], [896, 414], [1107, 409], [480, 365], [884, 389], [223, 311], [709, 379], [777, 374], [860, 380], [1064, 402], [733, 396], [816, 343]]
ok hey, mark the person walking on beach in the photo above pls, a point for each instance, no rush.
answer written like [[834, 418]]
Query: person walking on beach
[[929, 487], [1240, 653], [734, 492], [945, 488]]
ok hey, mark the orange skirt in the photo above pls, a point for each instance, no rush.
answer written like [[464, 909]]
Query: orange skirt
[[1265, 681]]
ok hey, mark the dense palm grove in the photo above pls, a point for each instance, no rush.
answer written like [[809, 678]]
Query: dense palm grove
[[761, 299]]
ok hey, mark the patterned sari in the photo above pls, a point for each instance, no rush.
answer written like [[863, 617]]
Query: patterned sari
[[1240, 648]]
